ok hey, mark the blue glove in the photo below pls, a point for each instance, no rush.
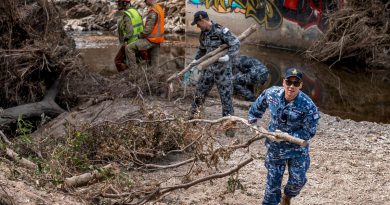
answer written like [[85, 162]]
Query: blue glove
[[187, 75]]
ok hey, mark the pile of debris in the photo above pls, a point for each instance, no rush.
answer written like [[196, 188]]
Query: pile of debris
[[358, 32], [34, 52], [101, 15]]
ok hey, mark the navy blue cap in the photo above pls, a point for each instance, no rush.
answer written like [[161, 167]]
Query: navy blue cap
[[290, 72], [199, 15]]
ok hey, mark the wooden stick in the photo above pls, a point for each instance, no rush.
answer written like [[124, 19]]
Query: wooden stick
[[223, 47], [214, 176], [275, 136], [23, 161], [223, 52], [5, 139], [85, 178]]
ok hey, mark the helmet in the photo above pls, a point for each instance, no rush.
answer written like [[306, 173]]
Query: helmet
[[122, 3]]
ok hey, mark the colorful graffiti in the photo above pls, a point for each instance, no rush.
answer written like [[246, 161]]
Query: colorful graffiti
[[263, 11], [270, 13], [306, 13]]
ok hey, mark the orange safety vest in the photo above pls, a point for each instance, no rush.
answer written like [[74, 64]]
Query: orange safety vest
[[157, 34]]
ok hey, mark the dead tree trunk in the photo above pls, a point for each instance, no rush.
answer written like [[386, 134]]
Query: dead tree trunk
[[47, 106]]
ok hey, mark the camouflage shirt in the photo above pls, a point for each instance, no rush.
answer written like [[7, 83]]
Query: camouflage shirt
[[299, 118], [214, 38], [125, 27], [151, 20], [250, 65]]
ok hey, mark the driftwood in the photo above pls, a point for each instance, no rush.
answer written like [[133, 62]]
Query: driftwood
[[23, 161], [85, 178], [221, 53], [275, 136], [223, 47], [47, 106], [4, 138], [163, 190]]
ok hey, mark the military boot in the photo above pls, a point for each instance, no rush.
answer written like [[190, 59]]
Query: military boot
[[285, 200]]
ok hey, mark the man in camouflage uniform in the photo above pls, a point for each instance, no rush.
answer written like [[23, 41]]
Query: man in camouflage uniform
[[151, 36], [292, 112], [212, 36], [248, 71], [130, 25]]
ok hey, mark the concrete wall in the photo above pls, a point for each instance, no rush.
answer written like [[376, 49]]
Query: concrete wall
[[284, 23]]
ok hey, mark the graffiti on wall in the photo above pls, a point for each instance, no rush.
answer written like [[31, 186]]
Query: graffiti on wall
[[306, 13], [263, 11], [271, 13]]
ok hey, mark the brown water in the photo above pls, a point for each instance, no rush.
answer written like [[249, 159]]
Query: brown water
[[359, 96]]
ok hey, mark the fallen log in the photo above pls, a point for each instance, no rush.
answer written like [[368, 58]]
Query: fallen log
[[47, 106], [85, 178], [223, 47]]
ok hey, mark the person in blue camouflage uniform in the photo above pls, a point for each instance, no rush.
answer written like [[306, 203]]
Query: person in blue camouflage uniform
[[212, 36], [248, 71], [292, 112]]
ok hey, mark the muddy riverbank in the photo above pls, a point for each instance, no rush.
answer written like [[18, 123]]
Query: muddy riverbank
[[349, 163]]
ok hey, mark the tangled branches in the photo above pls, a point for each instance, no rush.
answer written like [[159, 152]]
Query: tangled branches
[[358, 32], [34, 51]]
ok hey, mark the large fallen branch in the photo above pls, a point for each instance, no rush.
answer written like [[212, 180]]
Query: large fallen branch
[[163, 190], [47, 106], [220, 49], [275, 136]]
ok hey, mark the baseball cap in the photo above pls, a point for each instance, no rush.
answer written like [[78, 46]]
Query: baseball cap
[[199, 15], [293, 72]]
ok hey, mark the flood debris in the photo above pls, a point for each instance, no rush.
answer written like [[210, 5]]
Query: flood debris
[[358, 32], [34, 52], [94, 15]]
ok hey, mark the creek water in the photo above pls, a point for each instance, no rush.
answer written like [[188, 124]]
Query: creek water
[[337, 91]]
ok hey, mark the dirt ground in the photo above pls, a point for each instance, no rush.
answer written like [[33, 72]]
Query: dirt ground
[[349, 163]]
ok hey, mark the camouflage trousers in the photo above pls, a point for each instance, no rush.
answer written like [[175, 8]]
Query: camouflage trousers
[[297, 168], [242, 81], [220, 74], [143, 44]]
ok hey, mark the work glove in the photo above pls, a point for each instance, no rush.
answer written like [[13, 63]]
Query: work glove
[[223, 59], [193, 62], [187, 75]]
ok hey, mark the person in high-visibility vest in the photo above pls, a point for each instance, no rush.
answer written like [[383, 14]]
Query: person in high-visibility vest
[[151, 36], [130, 26]]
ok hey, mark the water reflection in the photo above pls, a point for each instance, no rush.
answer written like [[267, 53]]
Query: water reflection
[[338, 92], [360, 96], [98, 51]]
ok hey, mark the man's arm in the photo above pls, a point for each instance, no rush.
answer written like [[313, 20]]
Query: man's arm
[[232, 41], [258, 108], [151, 20], [127, 28], [310, 123], [200, 52]]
